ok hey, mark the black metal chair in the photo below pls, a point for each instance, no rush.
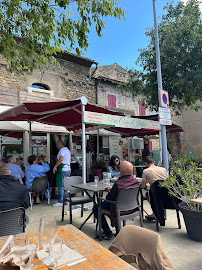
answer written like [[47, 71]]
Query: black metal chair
[[160, 200], [12, 221], [127, 201], [39, 184], [68, 189]]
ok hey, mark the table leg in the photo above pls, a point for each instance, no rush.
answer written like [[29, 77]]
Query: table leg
[[99, 221], [93, 199], [86, 220]]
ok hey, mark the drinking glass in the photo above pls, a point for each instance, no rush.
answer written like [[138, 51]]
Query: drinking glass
[[109, 176], [47, 231], [96, 180], [55, 251], [105, 175], [32, 245]]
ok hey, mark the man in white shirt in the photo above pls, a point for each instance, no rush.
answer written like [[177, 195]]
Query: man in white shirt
[[62, 167]]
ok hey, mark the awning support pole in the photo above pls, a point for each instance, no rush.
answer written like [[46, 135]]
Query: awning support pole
[[83, 103], [30, 138], [98, 144]]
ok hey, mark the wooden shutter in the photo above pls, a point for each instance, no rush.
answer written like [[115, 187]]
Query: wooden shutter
[[111, 101], [142, 110]]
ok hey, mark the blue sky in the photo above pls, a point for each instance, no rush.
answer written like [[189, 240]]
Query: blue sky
[[122, 39]]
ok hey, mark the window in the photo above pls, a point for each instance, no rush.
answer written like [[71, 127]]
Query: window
[[142, 110], [40, 86], [111, 101]]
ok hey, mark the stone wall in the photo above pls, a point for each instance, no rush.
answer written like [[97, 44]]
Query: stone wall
[[73, 80], [124, 99], [70, 81], [190, 139]]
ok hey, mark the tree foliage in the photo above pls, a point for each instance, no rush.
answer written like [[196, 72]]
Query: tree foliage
[[33, 31], [180, 36]]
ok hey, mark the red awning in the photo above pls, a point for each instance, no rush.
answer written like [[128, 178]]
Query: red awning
[[68, 114]]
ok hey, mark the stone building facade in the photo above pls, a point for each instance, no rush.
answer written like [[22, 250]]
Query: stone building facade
[[70, 81], [80, 76]]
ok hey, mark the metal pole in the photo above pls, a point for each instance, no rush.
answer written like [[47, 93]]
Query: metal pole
[[48, 147], [159, 77], [30, 138], [98, 143], [83, 103]]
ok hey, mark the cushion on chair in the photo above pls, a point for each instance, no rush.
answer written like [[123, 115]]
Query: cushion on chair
[[79, 199]]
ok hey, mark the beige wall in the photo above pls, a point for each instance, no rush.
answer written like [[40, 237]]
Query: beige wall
[[191, 138], [70, 81]]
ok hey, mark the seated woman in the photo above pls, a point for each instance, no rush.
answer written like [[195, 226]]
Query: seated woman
[[35, 170], [114, 166]]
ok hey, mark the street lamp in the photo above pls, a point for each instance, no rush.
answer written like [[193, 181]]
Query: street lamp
[[162, 134]]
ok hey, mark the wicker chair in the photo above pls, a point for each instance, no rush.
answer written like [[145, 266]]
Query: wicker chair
[[68, 189], [127, 200], [39, 184], [12, 221]]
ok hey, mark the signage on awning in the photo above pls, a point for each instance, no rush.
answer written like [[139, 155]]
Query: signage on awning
[[8, 140], [95, 118]]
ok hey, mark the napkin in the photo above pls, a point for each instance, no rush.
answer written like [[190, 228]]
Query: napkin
[[15, 256], [69, 257]]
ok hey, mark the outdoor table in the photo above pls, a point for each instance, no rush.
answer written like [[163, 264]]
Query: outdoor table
[[97, 193], [97, 256], [139, 179]]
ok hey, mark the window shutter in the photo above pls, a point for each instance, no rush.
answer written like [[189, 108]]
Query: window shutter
[[150, 145], [142, 110], [112, 101]]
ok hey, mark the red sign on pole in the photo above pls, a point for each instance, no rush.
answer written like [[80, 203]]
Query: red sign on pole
[[164, 98]]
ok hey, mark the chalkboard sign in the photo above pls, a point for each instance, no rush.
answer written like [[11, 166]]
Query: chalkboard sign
[[90, 146], [38, 141]]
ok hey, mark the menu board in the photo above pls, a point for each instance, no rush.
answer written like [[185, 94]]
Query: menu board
[[38, 141], [115, 146]]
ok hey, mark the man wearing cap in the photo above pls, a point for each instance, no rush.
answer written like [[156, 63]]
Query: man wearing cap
[[62, 167]]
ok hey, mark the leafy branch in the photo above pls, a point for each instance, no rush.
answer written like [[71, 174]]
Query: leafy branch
[[32, 30]]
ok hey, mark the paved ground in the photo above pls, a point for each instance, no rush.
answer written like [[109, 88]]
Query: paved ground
[[184, 253]]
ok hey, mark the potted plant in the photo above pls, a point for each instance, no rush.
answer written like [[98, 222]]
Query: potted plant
[[97, 166], [185, 183]]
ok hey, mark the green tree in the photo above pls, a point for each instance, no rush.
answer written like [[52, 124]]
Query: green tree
[[33, 31], [180, 36]]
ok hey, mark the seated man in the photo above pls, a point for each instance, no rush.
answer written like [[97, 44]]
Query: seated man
[[152, 174], [13, 194], [15, 170], [125, 181], [35, 170]]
